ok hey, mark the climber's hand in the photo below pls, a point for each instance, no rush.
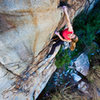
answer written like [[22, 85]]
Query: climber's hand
[[57, 33], [64, 8]]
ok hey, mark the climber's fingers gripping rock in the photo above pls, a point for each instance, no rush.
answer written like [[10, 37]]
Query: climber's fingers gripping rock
[[57, 33]]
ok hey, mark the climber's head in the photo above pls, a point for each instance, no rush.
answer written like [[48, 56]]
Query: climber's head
[[73, 43], [74, 38]]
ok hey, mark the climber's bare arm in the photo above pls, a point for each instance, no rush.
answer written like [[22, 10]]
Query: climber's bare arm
[[70, 28], [65, 20], [57, 33], [63, 39]]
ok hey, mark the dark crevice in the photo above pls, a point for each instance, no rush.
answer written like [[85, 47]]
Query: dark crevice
[[11, 71], [63, 3]]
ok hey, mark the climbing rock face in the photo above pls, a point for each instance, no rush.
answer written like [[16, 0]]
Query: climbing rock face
[[26, 27]]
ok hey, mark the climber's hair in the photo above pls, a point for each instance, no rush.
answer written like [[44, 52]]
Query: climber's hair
[[75, 39], [73, 43]]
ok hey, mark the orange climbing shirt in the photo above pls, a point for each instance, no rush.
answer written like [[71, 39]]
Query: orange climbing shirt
[[65, 34]]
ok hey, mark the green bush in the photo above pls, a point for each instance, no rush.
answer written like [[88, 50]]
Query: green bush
[[62, 58]]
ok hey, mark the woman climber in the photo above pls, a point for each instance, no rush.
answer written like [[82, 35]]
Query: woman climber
[[67, 35]]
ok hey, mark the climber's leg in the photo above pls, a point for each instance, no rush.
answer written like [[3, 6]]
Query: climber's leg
[[55, 38], [54, 47]]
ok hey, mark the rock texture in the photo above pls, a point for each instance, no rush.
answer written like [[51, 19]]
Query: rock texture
[[26, 27], [82, 64]]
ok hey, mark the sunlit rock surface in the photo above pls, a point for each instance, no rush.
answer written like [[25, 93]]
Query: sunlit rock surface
[[82, 64], [26, 27]]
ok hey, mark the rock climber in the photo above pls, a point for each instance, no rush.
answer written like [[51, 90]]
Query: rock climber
[[67, 35]]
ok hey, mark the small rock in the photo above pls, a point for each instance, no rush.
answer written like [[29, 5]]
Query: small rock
[[83, 87], [76, 77]]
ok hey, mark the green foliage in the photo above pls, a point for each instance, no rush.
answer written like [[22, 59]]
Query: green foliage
[[85, 26], [62, 58]]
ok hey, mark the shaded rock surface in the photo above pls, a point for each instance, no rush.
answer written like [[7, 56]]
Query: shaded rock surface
[[25, 31]]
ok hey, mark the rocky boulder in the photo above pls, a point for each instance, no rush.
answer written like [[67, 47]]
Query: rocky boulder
[[82, 64]]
